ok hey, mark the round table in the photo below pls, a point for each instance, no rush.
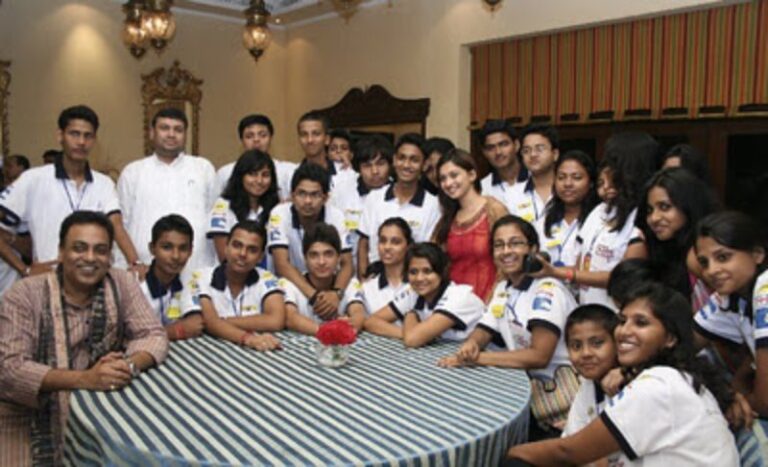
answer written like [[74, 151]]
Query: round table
[[214, 403]]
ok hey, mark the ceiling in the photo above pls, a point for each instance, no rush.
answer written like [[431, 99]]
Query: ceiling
[[285, 12]]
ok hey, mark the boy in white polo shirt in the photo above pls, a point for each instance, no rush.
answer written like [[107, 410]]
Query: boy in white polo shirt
[[171, 247], [540, 150], [39, 200], [405, 198], [500, 145], [238, 300], [322, 249], [290, 221]]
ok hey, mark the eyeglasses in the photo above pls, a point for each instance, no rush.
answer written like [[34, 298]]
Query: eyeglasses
[[538, 149]]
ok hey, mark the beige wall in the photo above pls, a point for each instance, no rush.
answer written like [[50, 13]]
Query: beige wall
[[70, 52], [418, 48], [66, 52]]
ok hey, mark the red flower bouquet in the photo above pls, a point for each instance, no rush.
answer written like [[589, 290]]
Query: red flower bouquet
[[336, 332]]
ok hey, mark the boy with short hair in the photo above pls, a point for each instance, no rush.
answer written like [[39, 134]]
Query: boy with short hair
[[540, 150], [238, 299], [171, 247], [322, 250]]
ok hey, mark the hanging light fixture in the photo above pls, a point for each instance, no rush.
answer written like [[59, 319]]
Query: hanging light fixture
[[256, 36], [345, 8], [158, 22], [134, 37]]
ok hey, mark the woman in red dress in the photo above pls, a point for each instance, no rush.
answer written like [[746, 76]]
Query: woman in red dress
[[464, 231]]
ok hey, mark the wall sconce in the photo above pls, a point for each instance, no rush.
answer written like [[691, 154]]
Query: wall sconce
[[256, 36], [134, 37], [158, 22]]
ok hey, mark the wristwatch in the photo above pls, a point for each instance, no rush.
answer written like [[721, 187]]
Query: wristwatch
[[135, 371]]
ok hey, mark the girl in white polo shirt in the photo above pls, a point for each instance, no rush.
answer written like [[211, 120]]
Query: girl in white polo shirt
[[526, 318], [671, 411], [431, 306]]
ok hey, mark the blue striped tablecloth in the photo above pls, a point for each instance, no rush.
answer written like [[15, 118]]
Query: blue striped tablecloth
[[214, 403]]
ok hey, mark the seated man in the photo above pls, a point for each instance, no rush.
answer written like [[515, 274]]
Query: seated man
[[288, 224], [238, 299], [171, 247], [84, 326], [322, 250]]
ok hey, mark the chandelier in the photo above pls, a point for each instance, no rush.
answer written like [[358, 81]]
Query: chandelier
[[256, 36], [147, 22], [134, 36]]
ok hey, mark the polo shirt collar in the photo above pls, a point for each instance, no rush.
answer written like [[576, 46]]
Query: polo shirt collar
[[525, 284], [219, 277], [418, 197], [362, 189], [421, 302], [383, 282], [295, 217], [529, 184], [156, 289], [522, 175], [495, 178], [62, 174], [331, 165]]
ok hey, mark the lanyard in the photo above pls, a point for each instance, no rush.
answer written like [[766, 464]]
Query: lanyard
[[562, 244], [511, 307], [532, 196], [69, 197]]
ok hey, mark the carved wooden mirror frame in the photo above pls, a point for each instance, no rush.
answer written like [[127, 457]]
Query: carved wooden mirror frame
[[5, 82], [173, 87], [374, 109]]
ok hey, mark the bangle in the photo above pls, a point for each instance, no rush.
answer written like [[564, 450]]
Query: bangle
[[570, 274], [180, 334], [245, 337]]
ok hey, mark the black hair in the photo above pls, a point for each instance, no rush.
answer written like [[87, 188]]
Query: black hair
[[239, 199], [414, 139], [525, 227], [632, 159], [695, 200], [437, 144], [250, 227], [692, 159], [322, 233], [172, 223], [547, 131], [437, 258], [594, 313], [312, 172], [170, 112], [78, 112], [674, 312], [342, 134], [627, 275], [497, 126], [377, 267], [55, 153], [451, 206], [555, 207], [315, 116], [83, 218], [732, 229], [370, 147], [21, 160], [254, 119]]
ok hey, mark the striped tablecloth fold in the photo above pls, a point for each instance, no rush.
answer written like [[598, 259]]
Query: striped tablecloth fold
[[213, 403]]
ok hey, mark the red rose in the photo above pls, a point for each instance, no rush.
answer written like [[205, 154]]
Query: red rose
[[336, 332]]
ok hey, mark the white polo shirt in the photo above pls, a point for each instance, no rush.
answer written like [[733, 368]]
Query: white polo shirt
[[512, 314], [561, 246], [39, 200], [602, 249], [167, 303], [352, 205], [526, 202], [150, 189], [352, 294], [736, 319], [285, 231], [222, 218], [212, 283], [378, 293], [284, 170], [422, 213], [455, 301], [587, 405], [659, 420], [493, 185]]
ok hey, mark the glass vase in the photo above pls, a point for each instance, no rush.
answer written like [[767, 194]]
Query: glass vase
[[332, 356]]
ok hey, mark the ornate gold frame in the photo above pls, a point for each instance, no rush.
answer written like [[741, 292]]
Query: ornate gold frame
[[5, 82], [174, 87]]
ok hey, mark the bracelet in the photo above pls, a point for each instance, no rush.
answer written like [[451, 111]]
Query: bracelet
[[570, 275], [180, 334], [245, 337]]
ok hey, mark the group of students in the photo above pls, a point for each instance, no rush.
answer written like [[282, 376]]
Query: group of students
[[585, 275]]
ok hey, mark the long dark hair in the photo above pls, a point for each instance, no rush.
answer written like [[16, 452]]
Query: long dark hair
[[695, 200], [674, 312], [450, 206], [438, 259], [632, 158], [239, 199], [555, 207], [377, 267]]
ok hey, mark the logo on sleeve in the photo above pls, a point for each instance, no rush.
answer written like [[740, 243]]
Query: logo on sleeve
[[761, 318], [274, 220]]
